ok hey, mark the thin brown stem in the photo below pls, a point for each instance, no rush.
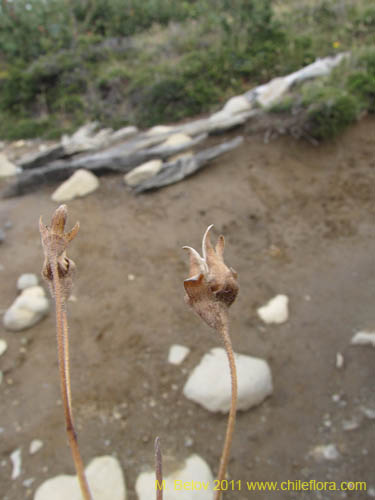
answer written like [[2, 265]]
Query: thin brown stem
[[63, 357], [158, 470], [224, 332]]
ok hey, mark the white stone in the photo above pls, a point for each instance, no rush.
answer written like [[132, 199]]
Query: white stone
[[194, 469], [3, 346], [368, 412], [6, 167], [143, 172], [339, 360], [325, 452], [177, 354], [209, 384], [275, 311], [104, 476], [177, 139], [27, 310], [16, 460], [27, 280], [81, 183], [35, 446], [237, 104], [270, 93], [363, 338]]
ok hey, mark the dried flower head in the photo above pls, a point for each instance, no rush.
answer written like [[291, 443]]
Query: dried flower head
[[55, 241], [212, 286]]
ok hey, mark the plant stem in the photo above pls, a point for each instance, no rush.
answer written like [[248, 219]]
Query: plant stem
[[224, 332], [64, 371], [158, 470]]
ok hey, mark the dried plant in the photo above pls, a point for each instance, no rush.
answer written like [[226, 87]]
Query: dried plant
[[158, 470], [58, 271], [210, 290]]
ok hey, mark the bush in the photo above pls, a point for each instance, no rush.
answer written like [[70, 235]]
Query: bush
[[326, 118]]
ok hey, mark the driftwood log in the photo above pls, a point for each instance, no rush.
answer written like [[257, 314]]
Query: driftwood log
[[184, 167], [122, 159]]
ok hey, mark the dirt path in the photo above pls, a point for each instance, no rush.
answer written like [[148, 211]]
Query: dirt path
[[298, 220]]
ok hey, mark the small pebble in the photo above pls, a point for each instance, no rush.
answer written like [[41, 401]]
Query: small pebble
[[275, 311], [16, 460], [368, 412], [350, 425], [189, 442], [28, 482], [339, 360], [3, 346], [325, 452], [35, 446], [177, 354]]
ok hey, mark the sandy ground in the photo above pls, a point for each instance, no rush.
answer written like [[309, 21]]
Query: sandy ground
[[297, 220]]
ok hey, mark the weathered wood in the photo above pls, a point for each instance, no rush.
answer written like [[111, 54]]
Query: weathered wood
[[41, 157], [116, 159], [184, 167]]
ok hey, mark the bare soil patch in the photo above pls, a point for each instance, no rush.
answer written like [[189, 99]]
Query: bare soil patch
[[298, 220]]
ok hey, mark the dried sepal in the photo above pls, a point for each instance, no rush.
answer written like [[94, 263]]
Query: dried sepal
[[57, 265], [212, 286]]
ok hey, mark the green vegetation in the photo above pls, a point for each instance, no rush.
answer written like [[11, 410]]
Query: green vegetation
[[65, 62]]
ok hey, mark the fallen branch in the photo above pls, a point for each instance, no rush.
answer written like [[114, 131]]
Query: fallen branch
[[184, 167]]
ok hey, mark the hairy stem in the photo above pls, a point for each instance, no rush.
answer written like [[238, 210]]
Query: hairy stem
[[224, 332], [64, 371], [158, 470]]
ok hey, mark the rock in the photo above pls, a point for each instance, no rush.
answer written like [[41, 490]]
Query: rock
[[104, 476], [363, 338], [177, 353], [6, 167], [16, 460], [270, 93], [27, 310], [237, 104], [351, 425], [194, 469], [35, 446], [3, 346], [209, 384], [339, 360], [275, 311], [81, 183], [177, 140], [325, 452], [143, 172], [27, 280], [368, 412], [2, 236]]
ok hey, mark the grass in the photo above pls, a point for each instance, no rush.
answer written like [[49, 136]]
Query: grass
[[166, 61]]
